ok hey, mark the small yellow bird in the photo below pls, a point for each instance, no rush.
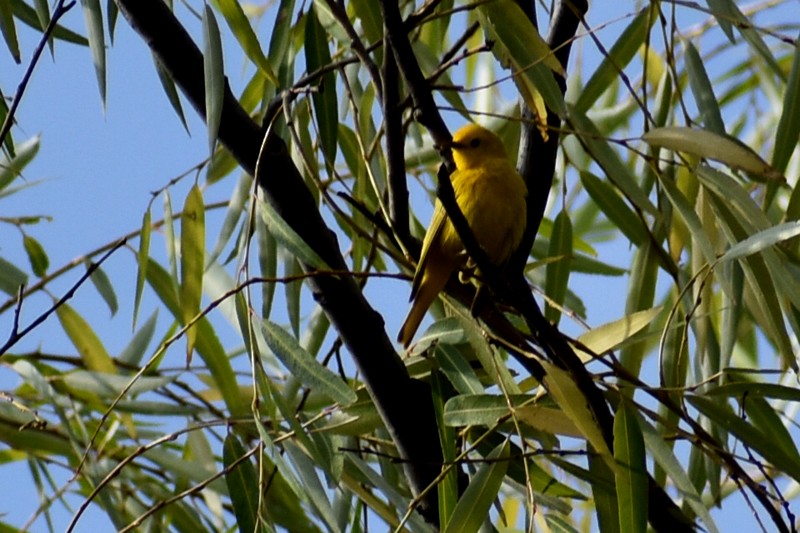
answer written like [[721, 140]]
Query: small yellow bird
[[492, 196]]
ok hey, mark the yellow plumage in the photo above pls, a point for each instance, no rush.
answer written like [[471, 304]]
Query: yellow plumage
[[491, 194]]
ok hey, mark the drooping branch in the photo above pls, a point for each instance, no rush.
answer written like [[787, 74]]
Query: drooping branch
[[404, 404]]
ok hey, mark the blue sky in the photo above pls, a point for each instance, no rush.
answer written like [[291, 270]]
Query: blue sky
[[99, 169]]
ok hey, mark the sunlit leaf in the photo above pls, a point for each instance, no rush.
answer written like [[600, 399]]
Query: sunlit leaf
[[97, 42], [214, 75], [193, 240]]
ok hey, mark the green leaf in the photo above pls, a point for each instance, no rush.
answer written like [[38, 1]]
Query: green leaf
[[134, 352], [710, 145], [142, 256], [32, 18], [609, 160], [615, 208], [786, 137], [458, 371], [557, 276], [519, 46], [762, 240], [618, 57], [111, 385], [242, 482], [703, 92], [304, 367], [748, 434], [214, 75], [473, 506], [92, 352], [756, 390], [289, 239], [169, 89], [611, 334], [241, 29], [325, 107], [36, 255], [480, 409], [193, 239], [11, 278], [631, 472], [208, 345], [9, 30], [97, 42], [12, 169], [104, 287]]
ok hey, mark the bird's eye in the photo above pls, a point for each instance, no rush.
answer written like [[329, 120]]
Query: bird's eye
[[475, 143]]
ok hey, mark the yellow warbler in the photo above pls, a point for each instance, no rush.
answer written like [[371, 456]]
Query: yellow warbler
[[491, 194]]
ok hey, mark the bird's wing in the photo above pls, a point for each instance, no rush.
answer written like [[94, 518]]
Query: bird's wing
[[433, 234]]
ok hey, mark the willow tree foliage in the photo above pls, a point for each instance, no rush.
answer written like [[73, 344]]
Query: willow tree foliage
[[659, 146]]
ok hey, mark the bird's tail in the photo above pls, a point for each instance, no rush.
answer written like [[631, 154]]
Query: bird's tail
[[434, 281]]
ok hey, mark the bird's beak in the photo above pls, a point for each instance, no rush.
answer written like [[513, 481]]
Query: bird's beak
[[453, 145]]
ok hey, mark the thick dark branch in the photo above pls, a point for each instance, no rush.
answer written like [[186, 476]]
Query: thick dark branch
[[395, 152], [404, 404]]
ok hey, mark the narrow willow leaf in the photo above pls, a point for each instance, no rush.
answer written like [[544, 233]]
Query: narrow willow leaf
[[11, 278], [304, 367], [169, 89], [710, 145], [97, 42], [473, 506], [788, 133], [289, 239], [611, 334], [453, 365], [703, 92], [748, 434], [30, 16], [318, 497], [371, 18], [9, 30], [281, 34], [242, 482], [480, 409], [104, 287], [448, 487], [604, 494], [208, 345], [575, 406], [609, 160], [293, 292], [214, 72], [36, 255], [618, 57], [631, 472], [43, 14], [325, 106], [134, 352], [557, 274], [110, 385], [268, 266], [762, 240], [12, 169], [92, 352], [142, 256], [765, 418], [112, 13], [241, 29], [665, 458], [614, 208], [524, 51], [8, 143], [756, 390], [232, 215], [193, 239]]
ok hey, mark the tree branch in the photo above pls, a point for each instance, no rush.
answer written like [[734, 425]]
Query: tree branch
[[404, 404]]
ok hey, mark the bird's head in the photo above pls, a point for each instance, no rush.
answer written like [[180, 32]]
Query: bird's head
[[472, 145]]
